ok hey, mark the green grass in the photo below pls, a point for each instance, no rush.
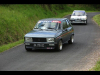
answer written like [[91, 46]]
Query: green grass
[[97, 19], [10, 45], [96, 67], [18, 19]]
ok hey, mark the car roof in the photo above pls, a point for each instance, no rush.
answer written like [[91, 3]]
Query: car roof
[[51, 19]]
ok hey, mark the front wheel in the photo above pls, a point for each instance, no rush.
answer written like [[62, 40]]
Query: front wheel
[[27, 49], [86, 22], [59, 45]]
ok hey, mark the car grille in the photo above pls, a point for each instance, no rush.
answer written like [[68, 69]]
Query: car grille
[[39, 39]]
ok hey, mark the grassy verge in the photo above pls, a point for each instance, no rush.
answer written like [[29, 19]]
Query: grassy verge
[[96, 67], [10, 45], [97, 19]]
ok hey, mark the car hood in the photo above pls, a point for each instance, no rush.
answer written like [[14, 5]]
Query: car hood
[[78, 17], [41, 33]]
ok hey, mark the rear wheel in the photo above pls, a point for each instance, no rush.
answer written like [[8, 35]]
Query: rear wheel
[[71, 39]]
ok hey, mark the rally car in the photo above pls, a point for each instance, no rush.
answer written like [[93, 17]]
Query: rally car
[[49, 33], [78, 16]]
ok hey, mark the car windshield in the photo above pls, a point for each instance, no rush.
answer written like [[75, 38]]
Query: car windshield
[[78, 13], [47, 24]]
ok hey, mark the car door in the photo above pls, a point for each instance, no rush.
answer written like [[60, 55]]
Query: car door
[[64, 31], [69, 29]]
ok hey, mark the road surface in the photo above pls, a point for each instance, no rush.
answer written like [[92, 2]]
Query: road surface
[[79, 56]]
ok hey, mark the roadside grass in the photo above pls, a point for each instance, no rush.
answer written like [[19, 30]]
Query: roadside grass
[[96, 67], [10, 45], [97, 19]]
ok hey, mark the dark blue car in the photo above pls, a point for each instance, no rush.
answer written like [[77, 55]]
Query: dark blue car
[[50, 33]]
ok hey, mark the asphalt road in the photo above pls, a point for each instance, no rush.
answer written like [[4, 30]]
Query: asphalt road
[[81, 55]]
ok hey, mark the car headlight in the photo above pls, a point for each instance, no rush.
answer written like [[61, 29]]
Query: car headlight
[[28, 39], [83, 18], [50, 39], [71, 18]]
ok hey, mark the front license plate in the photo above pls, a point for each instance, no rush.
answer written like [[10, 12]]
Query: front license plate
[[77, 20], [38, 45]]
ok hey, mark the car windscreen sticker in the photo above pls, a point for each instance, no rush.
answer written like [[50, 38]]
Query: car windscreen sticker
[[57, 21], [50, 21], [44, 21]]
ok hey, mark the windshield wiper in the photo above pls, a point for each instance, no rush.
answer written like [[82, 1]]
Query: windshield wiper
[[51, 28]]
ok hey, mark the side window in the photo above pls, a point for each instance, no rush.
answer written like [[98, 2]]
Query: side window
[[68, 22], [59, 27], [64, 23]]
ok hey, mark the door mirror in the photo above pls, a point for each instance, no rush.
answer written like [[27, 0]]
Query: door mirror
[[64, 30]]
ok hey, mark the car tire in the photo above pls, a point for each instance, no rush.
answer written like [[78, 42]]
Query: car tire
[[86, 22], [71, 39], [27, 49], [59, 45], [72, 23]]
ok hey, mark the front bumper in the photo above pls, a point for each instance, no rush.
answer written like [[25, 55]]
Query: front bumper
[[78, 21], [40, 45]]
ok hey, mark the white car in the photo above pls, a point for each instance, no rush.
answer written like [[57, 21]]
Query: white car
[[78, 16]]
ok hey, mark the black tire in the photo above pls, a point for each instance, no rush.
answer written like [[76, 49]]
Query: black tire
[[59, 45], [86, 22], [27, 49], [71, 39], [72, 23]]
